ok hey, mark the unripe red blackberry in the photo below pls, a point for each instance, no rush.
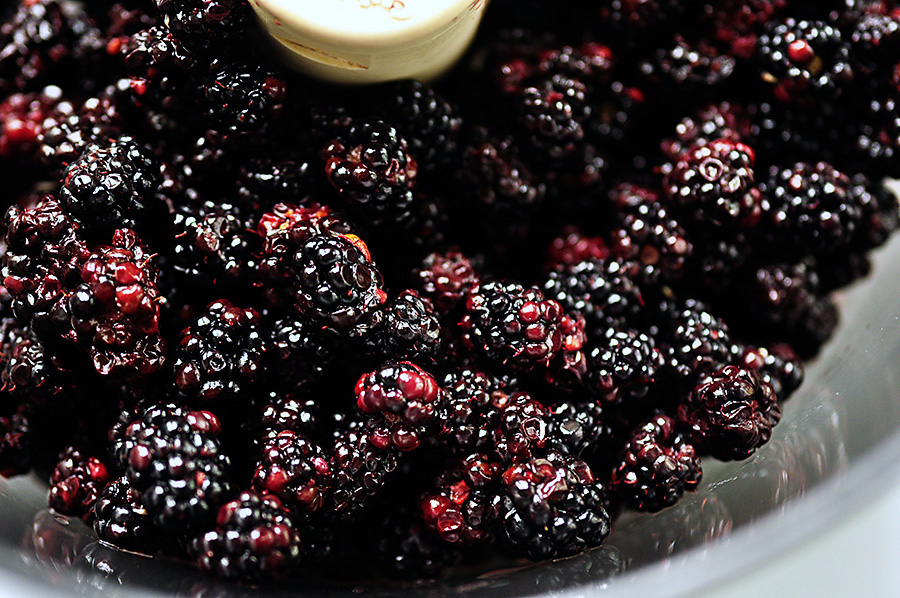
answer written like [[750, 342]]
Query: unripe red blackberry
[[446, 278], [656, 467], [522, 429], [76, 482]]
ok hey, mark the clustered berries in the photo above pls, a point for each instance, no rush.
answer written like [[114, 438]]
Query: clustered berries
[[275, 327]]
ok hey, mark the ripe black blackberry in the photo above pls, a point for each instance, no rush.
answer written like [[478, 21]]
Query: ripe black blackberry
[[723, 120], [329, 277], [174, 460], [880, 211], [466, 419], [522, 429], [804, 61], [551, 507], [38, 42], [730, 413], [294, 469], [372, 170], [684, 65], [872, 38], [786, 302], [511, 325], [460, 506], [242, 100], [120, 518], [69, 130], [647, 235], [409, 330], [695, 342], [810, 208], [42, 262], [778, 365], [111, 187], [361, 463], [656, 466], [264, 182], [555, 114], [16, 442], [220, 356], [212, 28], [642, 15], [405, 395], [115, 310], [254, 540], [213, 244], [427, 121], [713, 185], [602, 290], [285, 411], [446, 279], [76, 482], [877, 133], [28, 370], [623, 366], [577, 429], [300, 353]]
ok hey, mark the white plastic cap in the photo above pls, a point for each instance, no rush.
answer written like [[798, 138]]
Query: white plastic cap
[[368, 41]]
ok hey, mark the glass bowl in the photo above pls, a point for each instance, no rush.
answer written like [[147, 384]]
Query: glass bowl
[[836, 448]]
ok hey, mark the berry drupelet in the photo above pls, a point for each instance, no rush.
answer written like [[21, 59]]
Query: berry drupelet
[[112, 187], [730, 413], [121, 519], [656, 467], [406, 395], [76, 482], [460, 507], [254, 540], [372, 170], [295, 470], [174, 460], [220, 356], [512, 325], [551, 507]]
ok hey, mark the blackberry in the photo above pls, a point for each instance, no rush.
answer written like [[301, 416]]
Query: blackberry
[[572, 247], [785, 300], [242, 100], [427, 121], [730, 413], [214, 244], [360, 463], [696, 342], [207, 27], [76, 482], [555, 113], [642, 15], [880, 212], [286, 412], [778, 365], [551, 507], [42, 261], [22, 118], [872, 38], [29, 370], [253, 540], [220, 356], [647, 235], [300, 353], [112, 187], [724, 120], [465, 420], [404, 547], [16, 439], [591, 62], [623, 366], [70, 129], [522, 428], [446, 279], [372, 170], [877, 134], [460, 509], [683, 65], [714, 185], [511, 325], [264, 182], [329, 277], [410, 329], [601, 290], [116, 309], [810, 207], [295, 470], [174, 460], [406, 395], [656, 467], [803, 60], [577, 429], [121, 519], [738, 23]]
